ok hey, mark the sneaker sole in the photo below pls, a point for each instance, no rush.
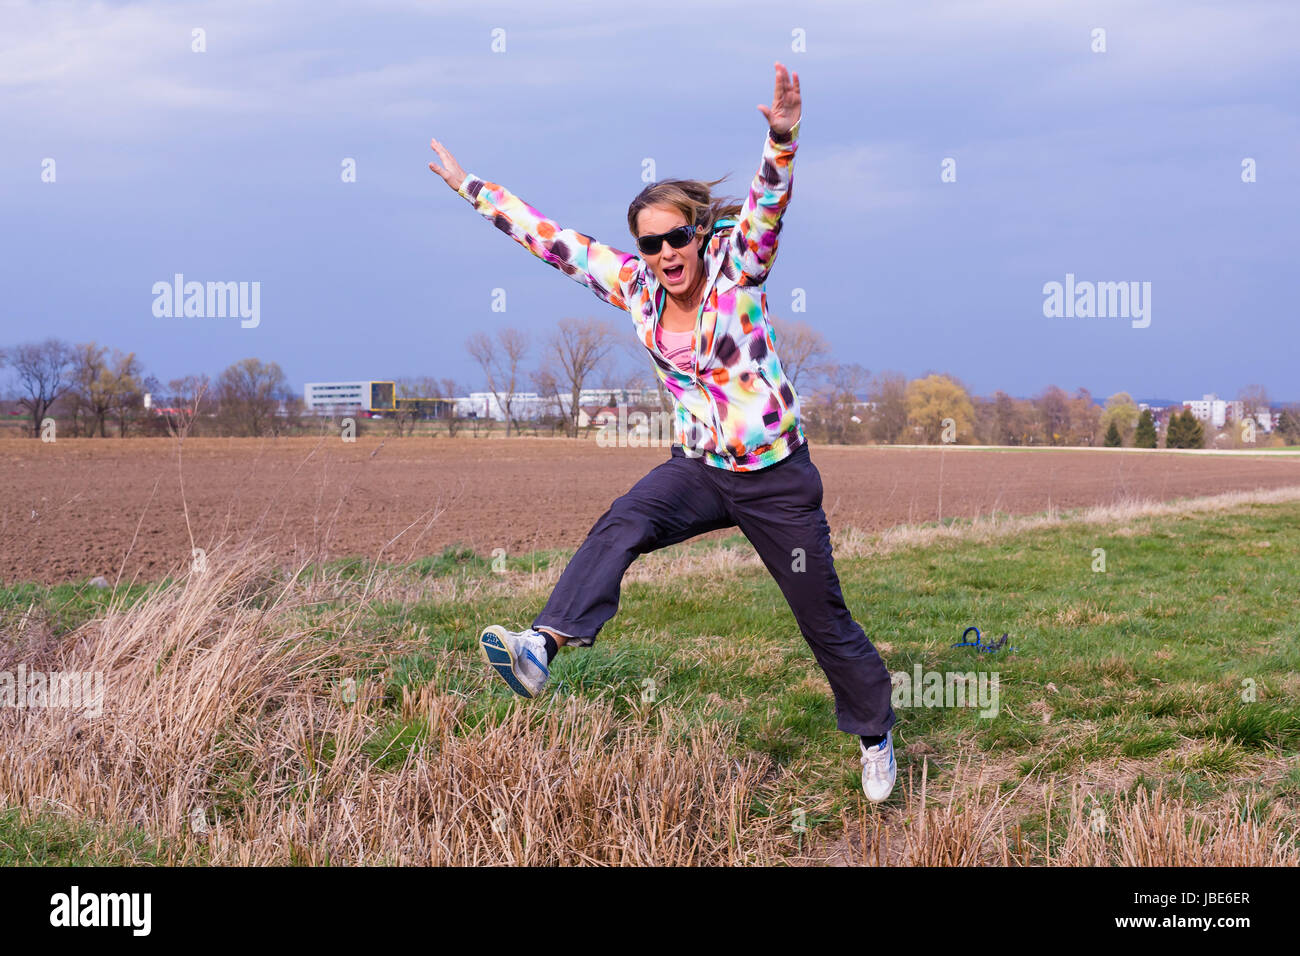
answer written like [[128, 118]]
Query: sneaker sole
[[496, 650]]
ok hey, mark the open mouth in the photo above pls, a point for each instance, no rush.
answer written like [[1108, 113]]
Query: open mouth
[[674, 274]]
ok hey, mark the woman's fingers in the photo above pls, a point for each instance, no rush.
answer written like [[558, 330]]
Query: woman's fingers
[[443, 154], [449, 170], [785, 91], [786, 85], [785, 98]]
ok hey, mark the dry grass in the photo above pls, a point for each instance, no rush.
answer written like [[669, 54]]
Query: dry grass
[[225, 738], [983, 827], [1159, 829]]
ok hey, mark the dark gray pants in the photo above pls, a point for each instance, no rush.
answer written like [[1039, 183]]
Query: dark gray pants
[[779, 509]]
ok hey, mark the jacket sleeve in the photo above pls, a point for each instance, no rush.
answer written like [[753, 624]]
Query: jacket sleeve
[[601, 268], [754, 240]]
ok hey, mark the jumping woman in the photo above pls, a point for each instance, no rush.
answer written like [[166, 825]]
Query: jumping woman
[[740, 459]]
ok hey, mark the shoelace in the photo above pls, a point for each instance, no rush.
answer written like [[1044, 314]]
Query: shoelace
[[878, 756]]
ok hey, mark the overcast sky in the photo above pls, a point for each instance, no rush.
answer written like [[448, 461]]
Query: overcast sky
[[225, 165]]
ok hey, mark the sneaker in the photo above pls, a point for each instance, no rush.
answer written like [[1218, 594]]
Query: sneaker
[[878, 769], [518, 656]]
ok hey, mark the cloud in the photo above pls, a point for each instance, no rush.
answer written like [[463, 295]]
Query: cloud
[[854, 179]]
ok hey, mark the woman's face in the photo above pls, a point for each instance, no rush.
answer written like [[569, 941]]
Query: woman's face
[[677, 269]]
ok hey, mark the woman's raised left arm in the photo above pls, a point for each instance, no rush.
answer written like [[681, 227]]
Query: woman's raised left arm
[[754, 240]]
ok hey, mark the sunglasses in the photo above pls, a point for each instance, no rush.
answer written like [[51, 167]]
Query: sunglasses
[[677, 238]]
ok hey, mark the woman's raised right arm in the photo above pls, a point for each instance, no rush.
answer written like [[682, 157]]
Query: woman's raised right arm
[[601, 268]]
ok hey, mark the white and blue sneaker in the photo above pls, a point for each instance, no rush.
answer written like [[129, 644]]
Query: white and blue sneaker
[[519, 657], [878, 768]]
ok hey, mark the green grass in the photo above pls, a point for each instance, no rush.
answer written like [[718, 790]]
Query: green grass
[[1154, 660], [59, 608], [49, 839]]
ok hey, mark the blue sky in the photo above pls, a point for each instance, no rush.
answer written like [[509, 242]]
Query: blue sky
[[225, 166]]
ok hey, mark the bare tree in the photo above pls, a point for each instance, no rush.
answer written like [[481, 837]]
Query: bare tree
[[500, 360], [406, 414], [71, 408], [449, 390], [801, 347], [89, 389], [835, 403], [1010, 420], [44, 372], [250, 393], [579, 349], [183, 403], [104, 386], [286, 418], [888, 393], [553, 412], [1053, 408], [128, 391], [1254, 401]]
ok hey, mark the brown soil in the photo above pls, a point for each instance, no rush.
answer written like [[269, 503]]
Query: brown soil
[[78, 508]]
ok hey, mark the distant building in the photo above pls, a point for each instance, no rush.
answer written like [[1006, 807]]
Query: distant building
[[325, 397], [1159, 414], [528, 406], [1219, 412], [596, 416], [1214, 410], [524, 406]]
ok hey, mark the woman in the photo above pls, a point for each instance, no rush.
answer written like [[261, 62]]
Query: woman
[[696, 296]]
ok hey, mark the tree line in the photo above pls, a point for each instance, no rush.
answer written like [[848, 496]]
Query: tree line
[[89, 388]]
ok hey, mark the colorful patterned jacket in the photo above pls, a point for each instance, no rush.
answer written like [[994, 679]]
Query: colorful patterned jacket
[[736, 409]]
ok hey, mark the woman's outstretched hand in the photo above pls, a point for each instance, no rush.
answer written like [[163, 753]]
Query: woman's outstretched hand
[[784, 111], [450, 170]]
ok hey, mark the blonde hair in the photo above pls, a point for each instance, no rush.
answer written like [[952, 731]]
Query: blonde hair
[[693, 198]]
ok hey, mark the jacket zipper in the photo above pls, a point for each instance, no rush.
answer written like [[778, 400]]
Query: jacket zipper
[[718, 435], [699, 322]]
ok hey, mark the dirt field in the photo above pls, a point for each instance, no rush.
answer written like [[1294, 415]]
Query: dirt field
[[79, 508]]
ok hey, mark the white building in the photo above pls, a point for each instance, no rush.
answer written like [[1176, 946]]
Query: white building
[[378, 396], [524, 405], [528, 406], [1214, 410], [1218, 412], [321, 397]]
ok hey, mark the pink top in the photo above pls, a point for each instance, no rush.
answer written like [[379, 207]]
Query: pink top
[[679, 347]]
